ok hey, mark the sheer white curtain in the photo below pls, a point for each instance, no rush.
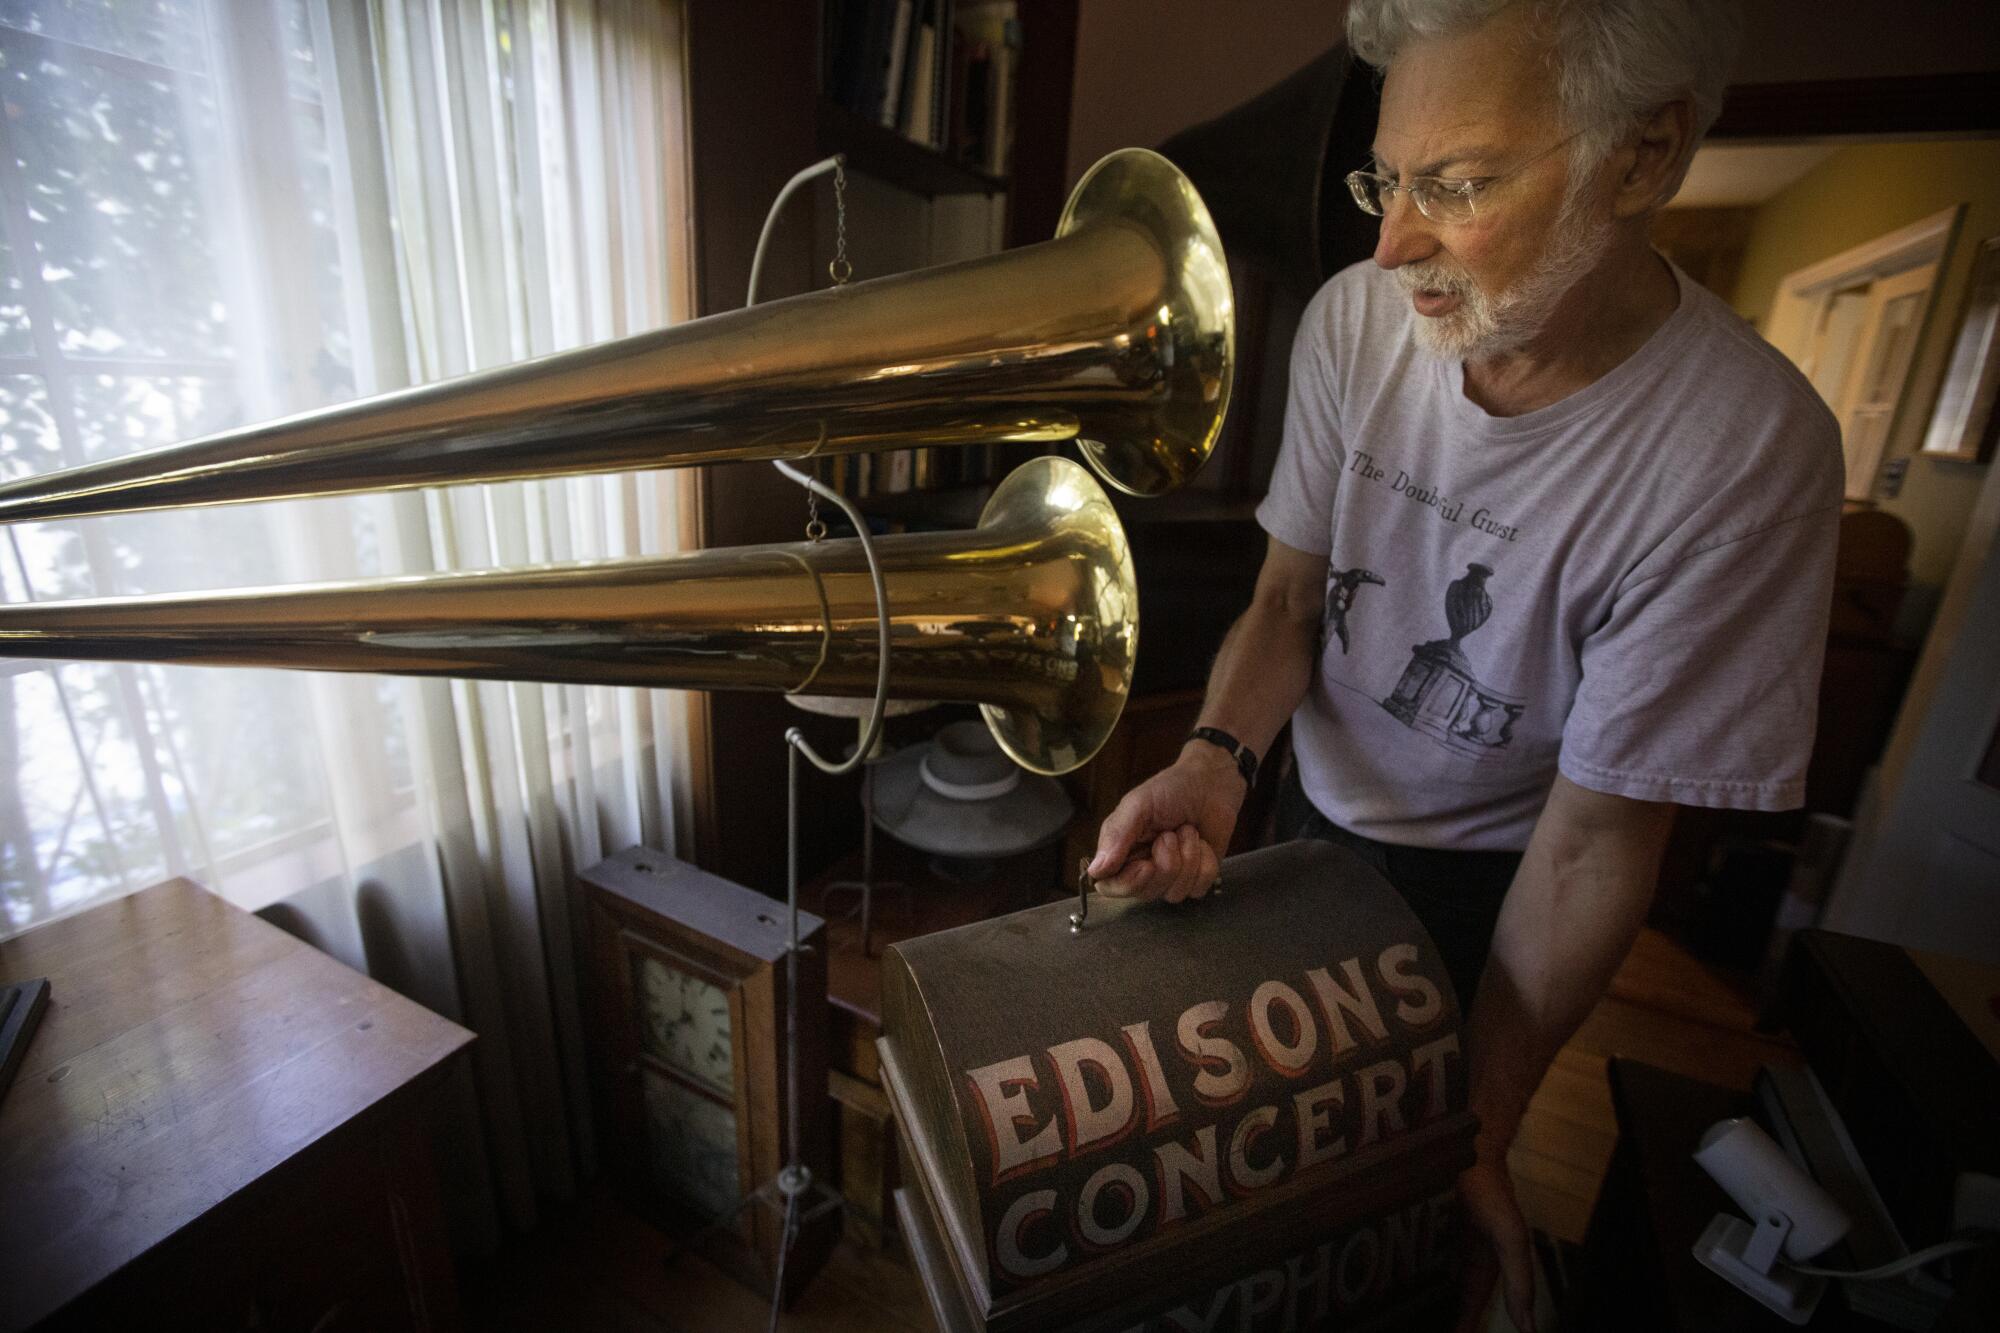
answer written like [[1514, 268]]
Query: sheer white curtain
[[217, 212]]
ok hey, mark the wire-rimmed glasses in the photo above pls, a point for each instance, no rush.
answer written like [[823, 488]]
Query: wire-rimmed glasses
[[1441, 199]]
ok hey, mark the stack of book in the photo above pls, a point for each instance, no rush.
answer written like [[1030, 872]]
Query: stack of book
[[865, 476], [941, 73]]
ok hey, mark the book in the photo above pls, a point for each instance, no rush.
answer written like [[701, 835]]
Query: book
[[872, 21], [993, 29], [1000, 110], [917, 103], [892, 75]]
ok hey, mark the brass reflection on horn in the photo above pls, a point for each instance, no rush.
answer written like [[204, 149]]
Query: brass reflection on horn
[[1119, 334], [1033, 615]]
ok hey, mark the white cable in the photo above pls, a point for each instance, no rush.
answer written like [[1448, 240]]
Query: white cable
[[1895, 1269]]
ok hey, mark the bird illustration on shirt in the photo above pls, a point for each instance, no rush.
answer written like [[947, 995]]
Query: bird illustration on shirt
[[1341, 585]]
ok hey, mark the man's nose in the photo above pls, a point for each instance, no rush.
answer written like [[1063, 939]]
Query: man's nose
[[1405, 236]]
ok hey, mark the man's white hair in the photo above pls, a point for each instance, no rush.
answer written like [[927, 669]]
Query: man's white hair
[[1615, 61]]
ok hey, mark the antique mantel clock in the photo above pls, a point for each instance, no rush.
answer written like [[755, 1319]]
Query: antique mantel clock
[[687, 1007]]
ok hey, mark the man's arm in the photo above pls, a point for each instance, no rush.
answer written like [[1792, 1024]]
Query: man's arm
[[1169, 833], [1569, 919]]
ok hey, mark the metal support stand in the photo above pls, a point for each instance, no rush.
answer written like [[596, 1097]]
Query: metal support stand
[[867, 884], [804, 1199]]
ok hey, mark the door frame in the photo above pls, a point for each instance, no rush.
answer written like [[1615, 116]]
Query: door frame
[[1802, 292]]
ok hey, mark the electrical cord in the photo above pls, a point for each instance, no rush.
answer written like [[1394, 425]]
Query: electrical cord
[[1895, 1269]]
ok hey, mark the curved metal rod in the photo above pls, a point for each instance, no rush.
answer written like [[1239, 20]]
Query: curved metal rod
[[873, 732]]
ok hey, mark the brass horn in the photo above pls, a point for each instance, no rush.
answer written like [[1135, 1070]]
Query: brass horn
[[1119, 334], [1033, 615]]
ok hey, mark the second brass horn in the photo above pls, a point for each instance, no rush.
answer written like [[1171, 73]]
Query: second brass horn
[[1033, 615], [1118, 334]]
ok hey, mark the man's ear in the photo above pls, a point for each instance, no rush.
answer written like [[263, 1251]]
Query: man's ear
[[1659, 160]]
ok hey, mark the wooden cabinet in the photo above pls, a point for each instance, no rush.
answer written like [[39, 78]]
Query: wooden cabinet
[[217, 1126]]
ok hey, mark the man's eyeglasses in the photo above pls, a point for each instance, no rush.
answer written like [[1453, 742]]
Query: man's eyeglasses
[[1440, 199]]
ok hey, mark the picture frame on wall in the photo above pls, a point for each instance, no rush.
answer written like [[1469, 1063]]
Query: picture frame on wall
[[1964, 425]]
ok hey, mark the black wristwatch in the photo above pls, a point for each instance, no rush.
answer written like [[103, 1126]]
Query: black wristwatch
[[1245, 757]]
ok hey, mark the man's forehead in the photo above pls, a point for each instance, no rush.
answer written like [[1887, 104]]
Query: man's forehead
[[1482, 93]]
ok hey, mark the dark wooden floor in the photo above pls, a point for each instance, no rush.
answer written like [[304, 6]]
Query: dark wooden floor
[[598, 1267]]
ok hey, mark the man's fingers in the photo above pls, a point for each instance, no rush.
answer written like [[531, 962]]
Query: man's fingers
[[1517, 1277], [1172, 884], [1130, 882], [1499, 1250], [1207, 869], [1188, 843], [1187, 846], [1174, 865], [1116, 835], [1475, 1293]]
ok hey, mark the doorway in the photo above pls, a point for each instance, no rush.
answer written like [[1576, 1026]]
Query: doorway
[[1851, 323]]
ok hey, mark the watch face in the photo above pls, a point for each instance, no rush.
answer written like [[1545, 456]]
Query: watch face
[[691, 1144], [684, 1022]]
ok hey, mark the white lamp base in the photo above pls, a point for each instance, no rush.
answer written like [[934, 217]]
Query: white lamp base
[[1722, 1250]]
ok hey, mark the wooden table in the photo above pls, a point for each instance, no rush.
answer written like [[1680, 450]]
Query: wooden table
[[217, 1126]]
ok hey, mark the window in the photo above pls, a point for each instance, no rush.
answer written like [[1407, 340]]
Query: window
[[220, 211]]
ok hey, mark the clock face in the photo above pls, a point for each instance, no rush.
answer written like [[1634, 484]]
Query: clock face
[[691, 1144], [684, 1023]]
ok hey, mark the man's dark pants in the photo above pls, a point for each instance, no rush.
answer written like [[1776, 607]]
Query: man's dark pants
[[1455, 894]]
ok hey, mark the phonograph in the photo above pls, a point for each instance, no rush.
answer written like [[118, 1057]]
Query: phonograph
[[1118, 335]]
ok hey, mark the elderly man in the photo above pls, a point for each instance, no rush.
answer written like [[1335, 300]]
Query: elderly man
[[1551, 534]]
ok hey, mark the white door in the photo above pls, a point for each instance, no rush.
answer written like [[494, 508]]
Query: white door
[[1926, 866], [1878, 371], [1856, 342]]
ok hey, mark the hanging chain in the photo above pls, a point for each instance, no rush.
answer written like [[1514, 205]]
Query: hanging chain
[[840, 271]]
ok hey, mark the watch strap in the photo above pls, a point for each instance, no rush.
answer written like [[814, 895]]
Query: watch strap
[[1245, 757]]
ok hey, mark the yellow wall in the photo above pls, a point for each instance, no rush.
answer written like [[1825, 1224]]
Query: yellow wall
[[1853, 197]]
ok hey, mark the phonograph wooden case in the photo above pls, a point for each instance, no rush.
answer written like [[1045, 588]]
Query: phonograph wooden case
[[1246, 1111]]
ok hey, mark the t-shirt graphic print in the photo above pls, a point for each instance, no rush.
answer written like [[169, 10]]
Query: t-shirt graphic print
[[1441, 695], [1629, 586]]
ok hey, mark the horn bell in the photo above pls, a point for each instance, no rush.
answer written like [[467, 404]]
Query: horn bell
[[1119, 333], [1033, 615]]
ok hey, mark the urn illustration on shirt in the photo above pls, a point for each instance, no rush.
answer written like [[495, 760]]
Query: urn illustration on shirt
[[1441, 695]]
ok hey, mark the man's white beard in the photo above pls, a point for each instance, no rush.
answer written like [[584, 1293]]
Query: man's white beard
[[1485, 325]]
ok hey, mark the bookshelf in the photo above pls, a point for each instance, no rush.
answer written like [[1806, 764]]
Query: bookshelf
[[891, 158], [920, 93], [926, 97]]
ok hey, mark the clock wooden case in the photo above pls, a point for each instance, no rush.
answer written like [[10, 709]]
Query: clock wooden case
[[687, 1033]]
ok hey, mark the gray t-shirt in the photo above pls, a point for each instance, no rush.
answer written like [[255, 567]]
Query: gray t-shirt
[[1630, 585]]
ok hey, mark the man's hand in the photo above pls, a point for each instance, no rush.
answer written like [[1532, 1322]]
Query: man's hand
[[1167, 837], [1497, 1249]]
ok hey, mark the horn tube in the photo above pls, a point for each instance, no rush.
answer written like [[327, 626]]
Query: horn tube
[[1033, 615], [1119, 334]]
